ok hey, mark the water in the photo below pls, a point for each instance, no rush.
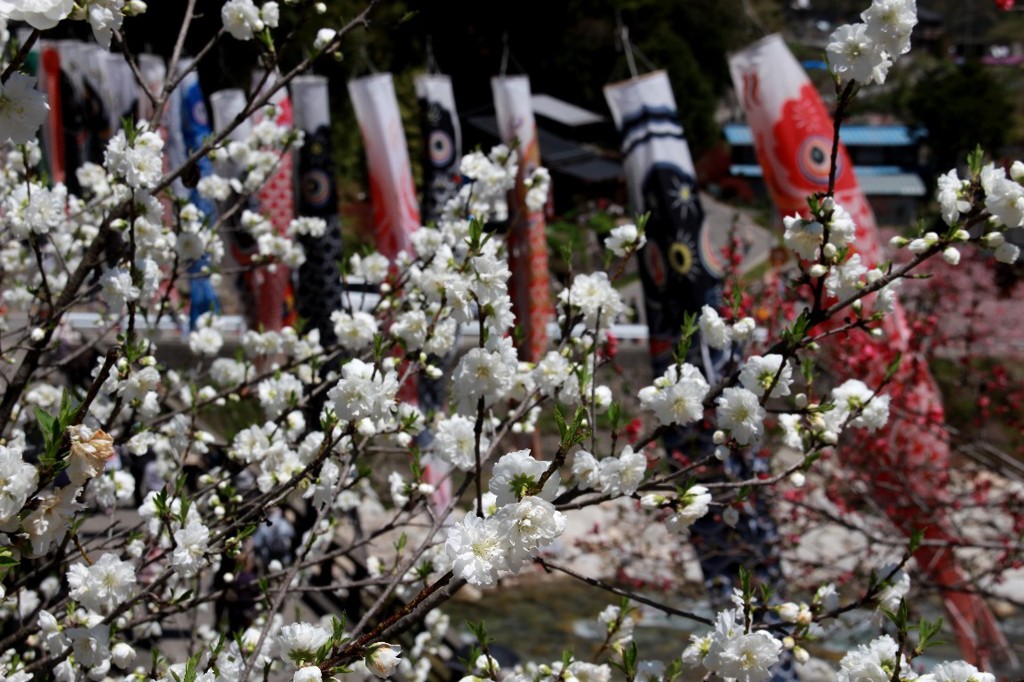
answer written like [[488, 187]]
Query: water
[[539, 620]]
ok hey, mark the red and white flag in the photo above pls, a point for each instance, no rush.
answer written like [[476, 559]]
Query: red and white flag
[[793, 135], [396, 213], [530, 285]]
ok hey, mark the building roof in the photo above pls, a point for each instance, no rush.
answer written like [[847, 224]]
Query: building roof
[[897, 184], [559, 154], [874, 180], [851, 135], [563, 112]]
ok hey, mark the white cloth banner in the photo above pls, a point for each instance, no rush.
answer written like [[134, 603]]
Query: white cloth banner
[[443, 142], [679, 267], [396, 213]]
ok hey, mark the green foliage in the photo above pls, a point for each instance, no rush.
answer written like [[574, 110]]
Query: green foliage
[[574, 433], [53, 430], [945, 101]]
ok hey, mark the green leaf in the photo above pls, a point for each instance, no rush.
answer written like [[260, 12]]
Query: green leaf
[[46, 424], [975, 160], [629, 658], [745, 583], [915, 540], [891, 370], [641, 221], [7, 558], [563, 429]]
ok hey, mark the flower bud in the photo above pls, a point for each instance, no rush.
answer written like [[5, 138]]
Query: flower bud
[[122, 655], [800, 654], [993, 240], [719, 437], [898, 242], [829, 250], [951, 255], [382, 659], [309, 673], [918, 246], [366, 427], [789, 612], [1007, 253], [818, 270], [323, 37], [798, 479], [652, 500], [1017, 171], [800, 400]]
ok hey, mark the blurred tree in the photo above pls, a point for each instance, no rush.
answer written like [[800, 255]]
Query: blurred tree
[[961, 107]]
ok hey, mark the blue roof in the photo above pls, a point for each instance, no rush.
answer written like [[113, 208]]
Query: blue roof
[[851, 135], [873, 180]]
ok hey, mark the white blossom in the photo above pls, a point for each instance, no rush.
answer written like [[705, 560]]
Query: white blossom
[[102, 586], [39, 14], [741, 414], [715, 332], [478, 550], [623, 238], [759, 372], [22, 107], [241, 19]]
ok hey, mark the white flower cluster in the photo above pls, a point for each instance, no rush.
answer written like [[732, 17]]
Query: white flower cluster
[[22, 108], [864, 52], [482, 548], [613, 476], [853, 404], [593, 297], [806, 237], [624, 239], [677, 397], [489, 179], [138, 161], [242, 19], [733, 652], [250, 157], [538, 186], [716, 333], [684, 511], [877, 661]]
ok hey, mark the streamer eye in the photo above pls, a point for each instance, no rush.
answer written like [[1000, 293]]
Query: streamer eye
[[199, 112], [442, 150], [316, 188], [813, 158]]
